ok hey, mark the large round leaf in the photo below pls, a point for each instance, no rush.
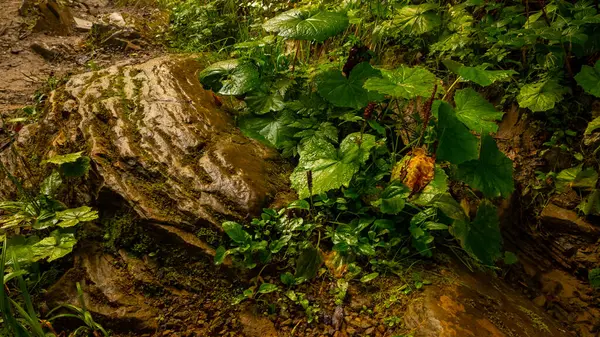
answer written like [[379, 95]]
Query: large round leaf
[[348, 92], [231, 77], [403, 82], [307, 24]]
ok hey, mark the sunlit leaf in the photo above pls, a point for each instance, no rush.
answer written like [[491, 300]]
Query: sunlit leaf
[[476, 112], [266, 288], [74, 216], [403, 82], [369, 277], [331, 168], [540, 96], [67, 158], [307, 24], [55, 246], [235, 232], [418, 19], [478, 74]]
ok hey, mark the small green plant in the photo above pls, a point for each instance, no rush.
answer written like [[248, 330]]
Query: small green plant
[[79, 313], [41, 213]]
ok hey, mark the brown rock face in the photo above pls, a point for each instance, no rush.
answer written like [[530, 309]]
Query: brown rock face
[[476, 305], [52, 16], [157, 140]]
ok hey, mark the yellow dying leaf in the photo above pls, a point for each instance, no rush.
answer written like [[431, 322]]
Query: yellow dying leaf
[[415, 170]]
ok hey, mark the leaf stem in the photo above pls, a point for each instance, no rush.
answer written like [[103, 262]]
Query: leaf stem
[[451, 87]]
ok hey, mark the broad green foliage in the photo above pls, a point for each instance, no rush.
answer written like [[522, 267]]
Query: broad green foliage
[[39, 213], [591, 204], [492, 173], [589, 79], [417, 19], [456, 144], [331, 168], [478, 74], [476, 112], [594, 278], [307, 24], [540, 96], [403, 82], [348, 92], [231, 77], [71, 165], [481, 238], [577, 178], [593, 126], [63, 159], [393, 198]]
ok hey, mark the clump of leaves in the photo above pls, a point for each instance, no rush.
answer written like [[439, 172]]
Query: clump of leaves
[[44, 215]]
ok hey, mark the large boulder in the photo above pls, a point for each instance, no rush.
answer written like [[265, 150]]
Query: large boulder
[[158, 142]]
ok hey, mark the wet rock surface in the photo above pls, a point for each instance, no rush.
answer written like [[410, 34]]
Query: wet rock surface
[[477, 305], [159, 142]]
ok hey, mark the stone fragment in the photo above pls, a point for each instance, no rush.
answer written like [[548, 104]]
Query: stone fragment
[[83, 25]]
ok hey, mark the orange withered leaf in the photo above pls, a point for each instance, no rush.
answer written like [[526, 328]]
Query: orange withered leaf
[[415, 170]]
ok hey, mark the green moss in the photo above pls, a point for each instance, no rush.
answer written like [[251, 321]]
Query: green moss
[[124, 230], [536, 320]]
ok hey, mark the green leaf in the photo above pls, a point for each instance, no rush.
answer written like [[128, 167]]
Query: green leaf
[[481, 238], [73, 216], [591, 204], [307, 24], [266, 288], [393, 198], [450, 207], [62, 159], [589, 79], [492, 173], [230, 77], [57, 245], [417, 19], [51, 184], [565, 177], [438, 186], [21, 247], [540, 96], [348, 92], [403, 82], [235, 232], [586, 180], [594, 278], [478, 74], [76, 169], [456, 144], [476, 112], [369, 277], [220, 255], [288, 279], [261, 103], [592, 126], [299, 204], [308, 263], [331, 168], [510, 258]]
